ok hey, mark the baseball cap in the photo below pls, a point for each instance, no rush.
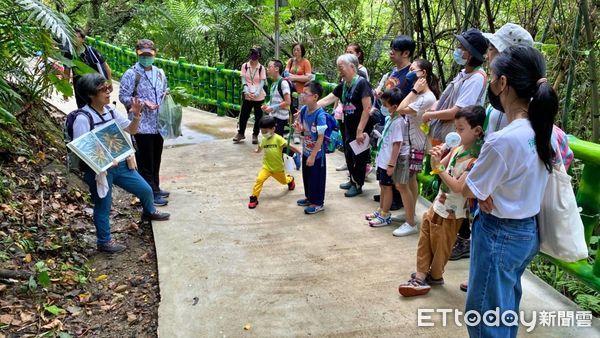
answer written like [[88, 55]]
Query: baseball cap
[[145, 46], [509, 35], [474, 42]]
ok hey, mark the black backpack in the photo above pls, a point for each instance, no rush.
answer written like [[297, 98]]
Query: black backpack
[[73, 161]]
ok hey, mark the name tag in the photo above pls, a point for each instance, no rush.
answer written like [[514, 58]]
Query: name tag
[[349, 109]]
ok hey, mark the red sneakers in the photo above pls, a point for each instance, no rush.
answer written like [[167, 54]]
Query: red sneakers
[[253, 202], [292, 184]]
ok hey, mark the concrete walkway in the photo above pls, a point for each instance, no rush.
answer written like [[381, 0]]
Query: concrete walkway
[[227, 271]]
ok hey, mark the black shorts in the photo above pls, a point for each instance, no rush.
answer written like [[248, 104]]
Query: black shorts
[[383, 177]]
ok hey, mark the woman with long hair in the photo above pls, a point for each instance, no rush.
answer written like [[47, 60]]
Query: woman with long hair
[[509, 180]]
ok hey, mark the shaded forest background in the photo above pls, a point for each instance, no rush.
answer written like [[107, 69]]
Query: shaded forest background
[[208, 31]]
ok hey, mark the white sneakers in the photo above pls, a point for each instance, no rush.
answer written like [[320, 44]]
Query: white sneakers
[[405, 229]]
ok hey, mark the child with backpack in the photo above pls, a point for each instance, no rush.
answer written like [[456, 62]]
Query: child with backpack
[[281, 99], [273, 145], [449, 209], [316, 126], [391, 144]]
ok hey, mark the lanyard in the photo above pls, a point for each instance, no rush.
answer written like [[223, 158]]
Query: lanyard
[[456, 157], [274, 89], [386, 130], [253, 75], [345, 90], [154, 75]]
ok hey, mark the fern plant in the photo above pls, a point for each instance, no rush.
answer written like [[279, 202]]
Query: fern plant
[[29, 34]]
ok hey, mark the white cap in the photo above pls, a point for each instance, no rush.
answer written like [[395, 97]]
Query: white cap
[[509, 35]]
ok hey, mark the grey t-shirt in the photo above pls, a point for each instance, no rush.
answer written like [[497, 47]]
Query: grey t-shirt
[[282, 114]]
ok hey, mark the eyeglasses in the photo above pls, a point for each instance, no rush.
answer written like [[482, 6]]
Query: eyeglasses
[[105, 88]]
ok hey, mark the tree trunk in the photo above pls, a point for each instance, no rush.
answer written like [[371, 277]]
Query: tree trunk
[[490, 17], [420, 31], [549, 22]]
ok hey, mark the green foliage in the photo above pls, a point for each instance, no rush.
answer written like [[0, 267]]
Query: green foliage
[[181, 96], [29, 28], [53, 309], [43, 276], [586, 297]]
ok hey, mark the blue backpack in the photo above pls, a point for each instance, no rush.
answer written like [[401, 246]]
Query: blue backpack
[[331, 127]]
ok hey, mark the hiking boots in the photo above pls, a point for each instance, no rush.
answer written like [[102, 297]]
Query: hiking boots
[[111, 247], [156, 216], [461, 249]]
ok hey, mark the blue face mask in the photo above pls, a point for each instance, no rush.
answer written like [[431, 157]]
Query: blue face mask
[[411, 76], [384, 111], [146, 61], [458, 57]]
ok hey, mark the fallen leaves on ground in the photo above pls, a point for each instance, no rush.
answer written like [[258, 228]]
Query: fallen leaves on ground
[[47, 232]]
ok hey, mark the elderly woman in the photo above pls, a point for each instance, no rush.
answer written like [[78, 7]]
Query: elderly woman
[[356, 97], [94, 89]]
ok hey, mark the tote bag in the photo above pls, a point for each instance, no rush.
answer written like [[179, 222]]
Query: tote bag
[[560, 226]]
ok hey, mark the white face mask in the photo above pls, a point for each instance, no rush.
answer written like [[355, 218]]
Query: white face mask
[[268, 135]]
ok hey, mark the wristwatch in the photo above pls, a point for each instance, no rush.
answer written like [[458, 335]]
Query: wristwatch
[[414, 91]]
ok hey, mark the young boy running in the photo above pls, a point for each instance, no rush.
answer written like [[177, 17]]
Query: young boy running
[[273, 146], [312, 124]]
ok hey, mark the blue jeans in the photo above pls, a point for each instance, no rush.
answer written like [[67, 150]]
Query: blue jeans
[[501, 249], [130, 181]]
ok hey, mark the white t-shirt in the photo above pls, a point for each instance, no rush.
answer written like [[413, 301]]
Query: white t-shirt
[[397, 133], [509, 170], [81, 125], [496, 121], [421, 104], [282, 114], [471, 90]]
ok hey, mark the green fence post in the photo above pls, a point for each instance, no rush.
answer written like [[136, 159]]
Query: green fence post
[[220, 89]]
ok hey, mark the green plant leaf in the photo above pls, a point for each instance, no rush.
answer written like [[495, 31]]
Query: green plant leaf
[[6, 116], [53, 309], [62, 85], [64, 335], [44, 279]]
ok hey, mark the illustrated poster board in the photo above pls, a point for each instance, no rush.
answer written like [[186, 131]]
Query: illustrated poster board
[[99, 147]]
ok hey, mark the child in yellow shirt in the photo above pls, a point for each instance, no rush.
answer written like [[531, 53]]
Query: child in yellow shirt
[[273, 145]]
